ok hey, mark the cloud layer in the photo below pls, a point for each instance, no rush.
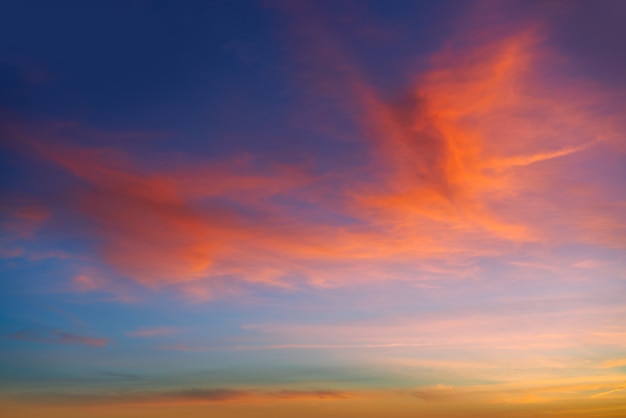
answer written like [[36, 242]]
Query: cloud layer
[[474, 162]]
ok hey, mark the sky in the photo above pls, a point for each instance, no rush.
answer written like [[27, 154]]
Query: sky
[[282, 208]]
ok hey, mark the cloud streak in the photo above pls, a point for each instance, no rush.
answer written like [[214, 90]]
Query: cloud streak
[[152, 332], [57, 336], [189, 396]]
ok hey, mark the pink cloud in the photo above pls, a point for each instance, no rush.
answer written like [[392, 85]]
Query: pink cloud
[[22, 219], [84, 283], [153, 332]]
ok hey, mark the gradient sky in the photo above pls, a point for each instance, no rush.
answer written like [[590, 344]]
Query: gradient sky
[[313, 208]]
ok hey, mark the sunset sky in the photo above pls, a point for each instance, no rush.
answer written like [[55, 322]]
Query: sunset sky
[[381, 208]]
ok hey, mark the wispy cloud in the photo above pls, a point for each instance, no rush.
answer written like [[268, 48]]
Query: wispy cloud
[[189, 396], [153, 332], [437, 393], [608, 392], [619, 362], [182, 347], [536, 392], [20, 218], [57, 336], [471, 161], [85, 283]]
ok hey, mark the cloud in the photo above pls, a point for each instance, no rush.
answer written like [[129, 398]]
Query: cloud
[[20, 218], [57, 336], [188, 396], [152, 332], [438, 393], [85, 283], [484, 153], [480, 118], [504, 393], [211, 395], [180, 347], [607, 364], [608, 392], [310, 394], [552, 325], [474, 160], [158, 227]]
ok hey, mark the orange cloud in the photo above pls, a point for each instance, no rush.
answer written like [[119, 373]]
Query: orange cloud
[[474, 162], [480, 122], [443, 399], [158, 227], [613, 363]]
